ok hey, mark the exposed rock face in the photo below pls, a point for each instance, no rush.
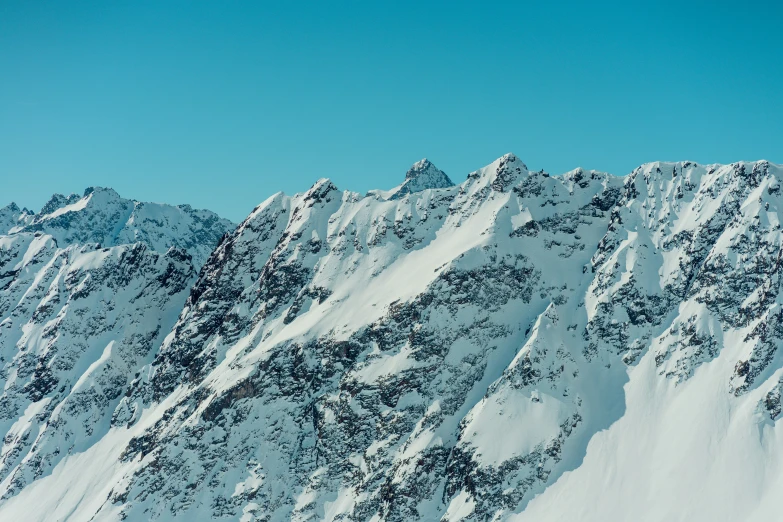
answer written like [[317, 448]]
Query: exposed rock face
[[509, 348]]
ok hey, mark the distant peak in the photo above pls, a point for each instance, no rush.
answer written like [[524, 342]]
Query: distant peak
[[11, 207], [422, 175], [100, 190], [58, 201], [323, 185], [502, 173], [320, 190], [10, 215], [510, 157], [420, 167]]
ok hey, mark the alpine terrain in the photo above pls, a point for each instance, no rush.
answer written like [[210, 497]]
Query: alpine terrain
[[516, 347]]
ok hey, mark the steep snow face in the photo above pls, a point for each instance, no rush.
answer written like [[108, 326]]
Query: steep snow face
[[85, 299], [516, 347]]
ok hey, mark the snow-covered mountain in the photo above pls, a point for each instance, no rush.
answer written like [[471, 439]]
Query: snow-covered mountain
[[421, 176], [102, 216], [519, 346], [89, 287], [12, 216]]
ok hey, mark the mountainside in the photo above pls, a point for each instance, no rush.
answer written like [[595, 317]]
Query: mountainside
[[89, 287], [519, 346]]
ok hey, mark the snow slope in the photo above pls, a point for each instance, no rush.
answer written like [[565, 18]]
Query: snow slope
[[518, 346]]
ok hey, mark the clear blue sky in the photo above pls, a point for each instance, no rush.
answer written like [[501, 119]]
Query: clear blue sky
[[220, 104]]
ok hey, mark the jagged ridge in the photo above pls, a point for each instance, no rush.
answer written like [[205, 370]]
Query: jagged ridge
[[480, 351]]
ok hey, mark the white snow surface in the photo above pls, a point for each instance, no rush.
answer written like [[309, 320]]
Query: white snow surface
[[515, 347]]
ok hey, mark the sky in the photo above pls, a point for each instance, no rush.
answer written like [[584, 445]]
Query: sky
[[221, 104]]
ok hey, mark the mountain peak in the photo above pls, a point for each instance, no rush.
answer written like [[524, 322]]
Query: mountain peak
[[320, 190], [102, 216], [510, 157], [422, 175], [501, 174], [11, 207], [10, 216], [420, 167], [101, 190], [58, 201]]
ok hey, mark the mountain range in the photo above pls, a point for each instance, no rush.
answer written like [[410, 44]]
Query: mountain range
[[519, 346]]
